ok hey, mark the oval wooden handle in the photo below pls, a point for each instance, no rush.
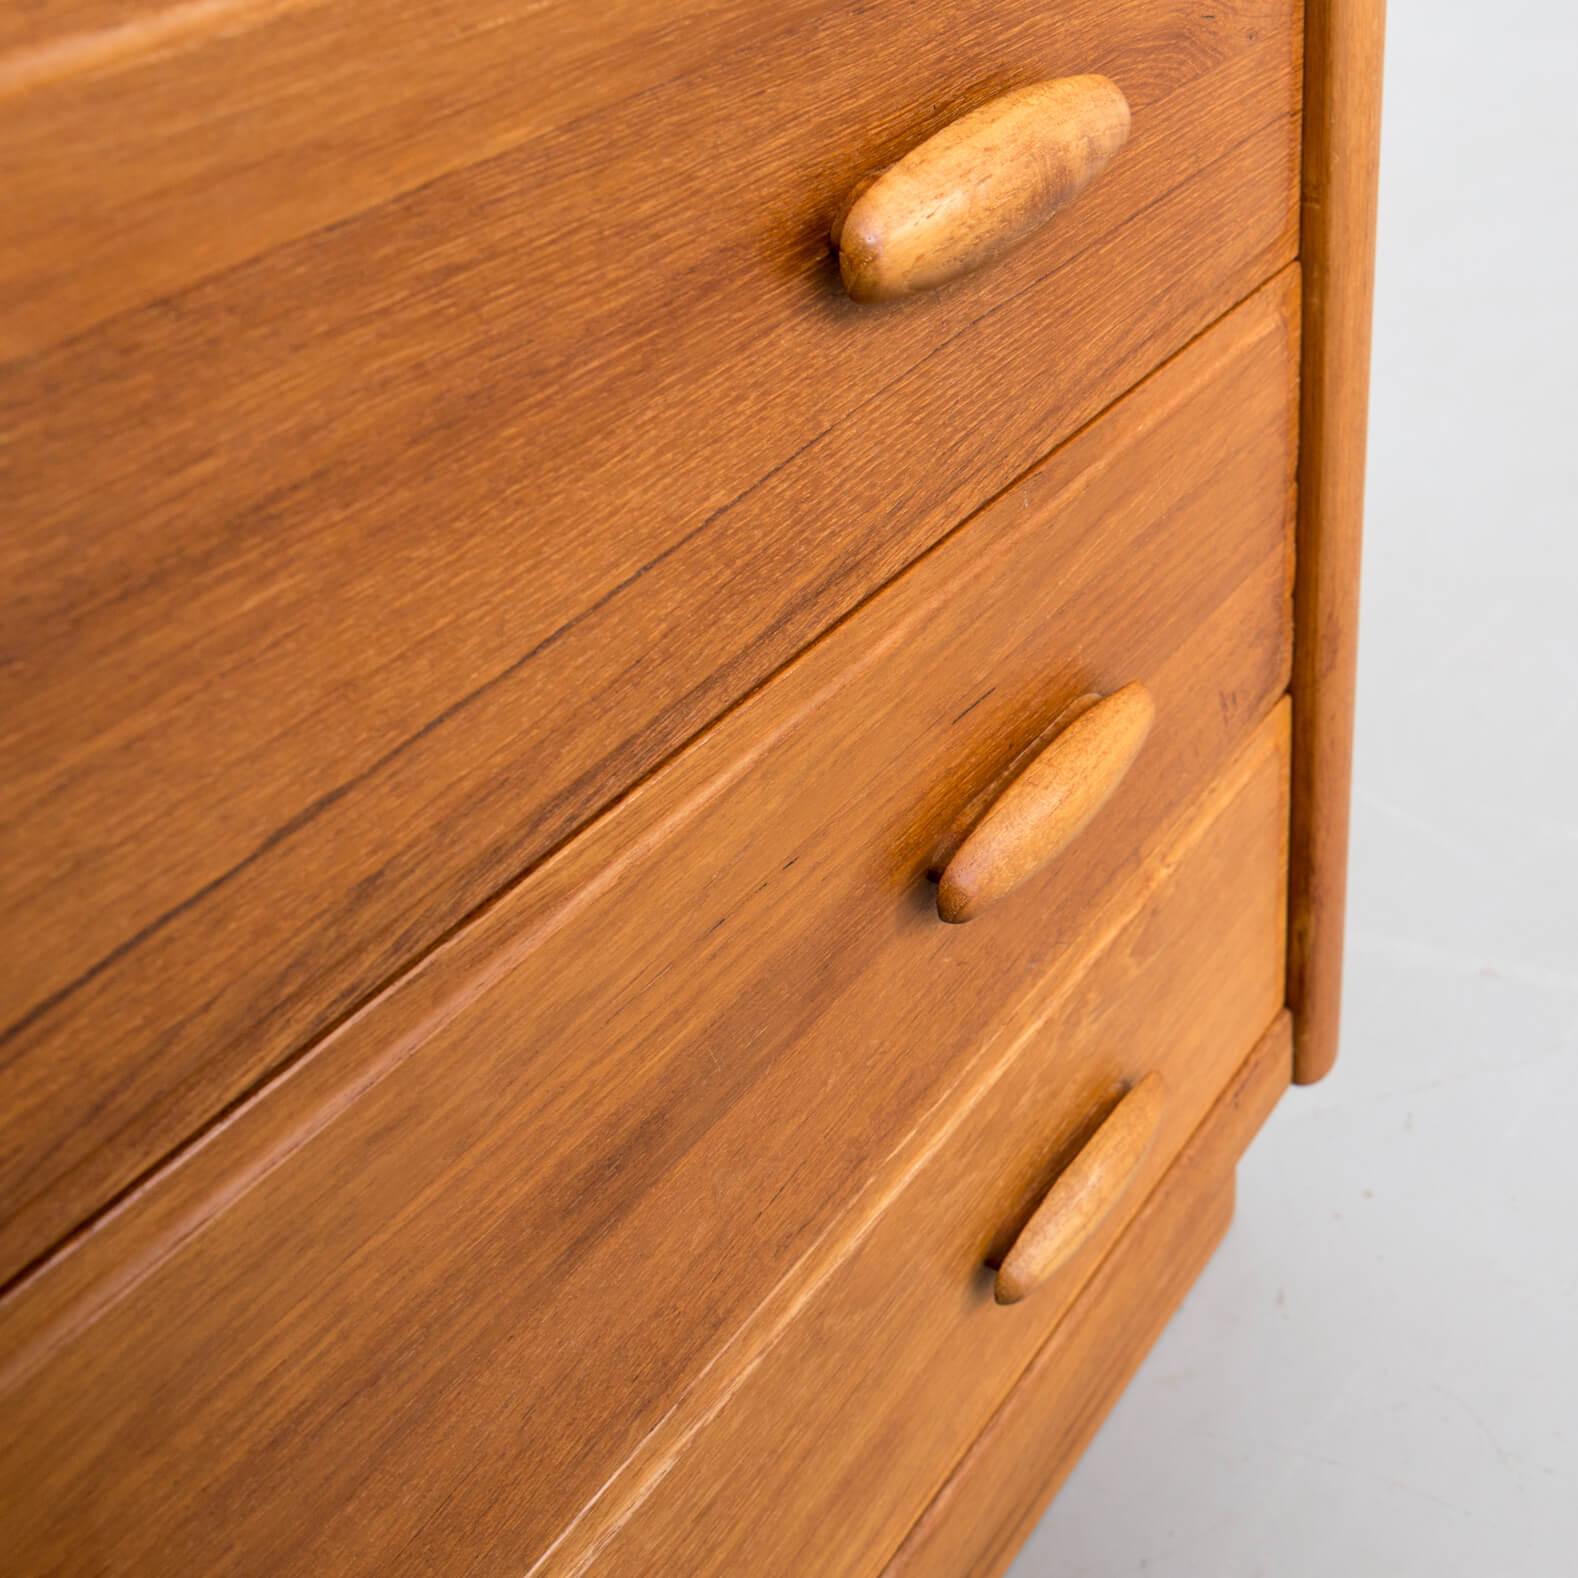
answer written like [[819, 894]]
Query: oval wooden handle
[[1046, 805], [968, 194], [1085, 1191]]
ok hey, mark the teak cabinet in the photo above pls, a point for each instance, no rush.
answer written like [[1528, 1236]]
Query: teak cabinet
[[678, 681]]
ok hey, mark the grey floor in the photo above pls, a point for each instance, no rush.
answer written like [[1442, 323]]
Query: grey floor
[[1378, 1374]]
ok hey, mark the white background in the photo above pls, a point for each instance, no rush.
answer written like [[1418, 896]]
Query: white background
[[1378, 1374]]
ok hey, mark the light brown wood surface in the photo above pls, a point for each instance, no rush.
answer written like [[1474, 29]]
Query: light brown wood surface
[[973, 191], [1048, 802], [1000, 1487], [817, 1454], [125, 136], [637, 1091], [417, 540], [1092, 1185], [1341, 158]]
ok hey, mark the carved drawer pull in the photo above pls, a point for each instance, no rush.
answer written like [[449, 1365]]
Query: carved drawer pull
[[978, 187], [1046, 804], [1085, 1191]]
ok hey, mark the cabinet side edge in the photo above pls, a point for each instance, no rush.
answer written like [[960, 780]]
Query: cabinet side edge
[[1342, 108]]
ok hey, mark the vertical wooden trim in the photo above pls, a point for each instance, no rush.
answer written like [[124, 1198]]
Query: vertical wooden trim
[[1342, 112]]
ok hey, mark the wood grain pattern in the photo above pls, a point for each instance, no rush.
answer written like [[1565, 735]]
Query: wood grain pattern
[[124, 135], [1048, 802], [410, 549], [1001, 1486], [636, 1115], [124, 132], [821, 1454], [1092, 1184], [1341, 160], [975, 190]]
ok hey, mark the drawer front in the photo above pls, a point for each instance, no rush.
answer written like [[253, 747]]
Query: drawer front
[[347, 111], [826, 1450], [429, 1290], [417, 538], [999, 1488]]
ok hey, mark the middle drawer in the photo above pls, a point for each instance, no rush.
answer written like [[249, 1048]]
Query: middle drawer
[[557, 1166]]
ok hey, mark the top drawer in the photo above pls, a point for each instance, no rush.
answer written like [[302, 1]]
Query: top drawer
[[352, 566], [437, 1283]]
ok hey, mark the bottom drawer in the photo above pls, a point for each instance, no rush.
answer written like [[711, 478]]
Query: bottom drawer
[[1000, 1487], [821, 1433]]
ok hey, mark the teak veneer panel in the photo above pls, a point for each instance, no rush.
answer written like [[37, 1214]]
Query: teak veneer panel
[[127, 128], [1002, 1485], [626, 1101], [341, 589], [824, 1452]]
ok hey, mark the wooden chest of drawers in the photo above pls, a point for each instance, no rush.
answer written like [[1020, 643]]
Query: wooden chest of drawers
[[512, 665]]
